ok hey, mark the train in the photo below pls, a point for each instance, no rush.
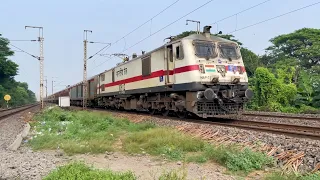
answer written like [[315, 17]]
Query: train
[[200, 74]]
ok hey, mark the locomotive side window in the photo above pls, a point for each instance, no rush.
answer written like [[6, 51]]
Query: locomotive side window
[[205, 49], [103, 77], [146, 66], [113, 75], [170, 55], [179, 52], [229, 51], [102, 87]]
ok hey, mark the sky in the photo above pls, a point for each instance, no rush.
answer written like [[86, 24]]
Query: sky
[[64, 21]]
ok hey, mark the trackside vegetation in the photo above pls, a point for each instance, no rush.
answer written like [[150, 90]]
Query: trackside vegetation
[[291, 176], [80, 171], [19, 91], [89, 132], [77, 132]]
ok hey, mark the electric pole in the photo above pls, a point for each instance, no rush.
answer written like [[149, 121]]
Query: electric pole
[[41, 59], [46, 80], [52, 86], [84, 84], [198, 24]]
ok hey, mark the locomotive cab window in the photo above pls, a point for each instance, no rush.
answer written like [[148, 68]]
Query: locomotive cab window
[[229, 51], [205, 49], [146, 66]]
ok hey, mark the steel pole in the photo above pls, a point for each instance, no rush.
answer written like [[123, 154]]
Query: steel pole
[[84, 84]]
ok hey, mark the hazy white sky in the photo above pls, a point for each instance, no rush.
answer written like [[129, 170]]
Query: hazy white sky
[[64, 22]]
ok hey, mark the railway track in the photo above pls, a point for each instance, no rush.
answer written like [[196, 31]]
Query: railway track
[[292, 130], [275, 128], [4, 113], [282, 116]]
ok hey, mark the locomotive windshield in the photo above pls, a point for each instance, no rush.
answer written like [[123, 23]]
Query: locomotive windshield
[[205, 49], [229, 51]]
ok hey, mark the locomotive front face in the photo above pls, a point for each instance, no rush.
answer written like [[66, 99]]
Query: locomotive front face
[[222, 76]]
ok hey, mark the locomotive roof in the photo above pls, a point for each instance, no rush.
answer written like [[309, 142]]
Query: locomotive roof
[[205, 38]]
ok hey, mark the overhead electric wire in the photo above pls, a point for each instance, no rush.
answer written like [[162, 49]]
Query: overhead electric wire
[[134, 29], [266, 20], [240, 12], [24, 40], [164, 27], [24, 51]]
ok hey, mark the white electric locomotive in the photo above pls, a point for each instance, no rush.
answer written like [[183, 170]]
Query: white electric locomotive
[[200, 74]]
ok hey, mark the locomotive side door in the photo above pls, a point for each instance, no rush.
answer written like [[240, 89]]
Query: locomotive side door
[[168, 56]]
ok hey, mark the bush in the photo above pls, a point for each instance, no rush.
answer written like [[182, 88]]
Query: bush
[[81, 171], [309, 110], [236, 160]]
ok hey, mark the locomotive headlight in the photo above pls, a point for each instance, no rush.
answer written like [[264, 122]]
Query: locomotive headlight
[[200, 95]]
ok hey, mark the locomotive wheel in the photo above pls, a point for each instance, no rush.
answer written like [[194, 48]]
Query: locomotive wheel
[[165, 112], [181, 114], [152, 111]]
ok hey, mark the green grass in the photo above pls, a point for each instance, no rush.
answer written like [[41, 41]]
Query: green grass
[[173, 175], [177, 146], [89, 132], [236, 160], [279, 176], [162, 141], [80, 171], [79, 131]]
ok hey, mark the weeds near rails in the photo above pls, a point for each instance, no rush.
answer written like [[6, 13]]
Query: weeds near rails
[[78, 170], [80, 132]]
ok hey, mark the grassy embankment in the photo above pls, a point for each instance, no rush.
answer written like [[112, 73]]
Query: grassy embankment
[[88, 132]]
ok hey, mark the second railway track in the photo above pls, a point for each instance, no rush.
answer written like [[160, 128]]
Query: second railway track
[[282, 116], [9, 112], [276, 128]]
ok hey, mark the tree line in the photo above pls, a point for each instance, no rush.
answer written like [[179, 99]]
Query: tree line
[[19, 91], [287, 77]]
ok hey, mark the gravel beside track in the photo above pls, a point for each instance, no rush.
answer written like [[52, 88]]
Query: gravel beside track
[[281, 120], [23, 163], [311, 148]]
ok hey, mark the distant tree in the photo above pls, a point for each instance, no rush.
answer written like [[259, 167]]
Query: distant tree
[[303, 45], [7, 67], [20, 94]]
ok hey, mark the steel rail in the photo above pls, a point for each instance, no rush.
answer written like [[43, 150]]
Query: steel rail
[[275, 128], [9, 112], [282, 116]]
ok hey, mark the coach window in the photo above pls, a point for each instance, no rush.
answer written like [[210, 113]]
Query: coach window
[[146, 66]]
